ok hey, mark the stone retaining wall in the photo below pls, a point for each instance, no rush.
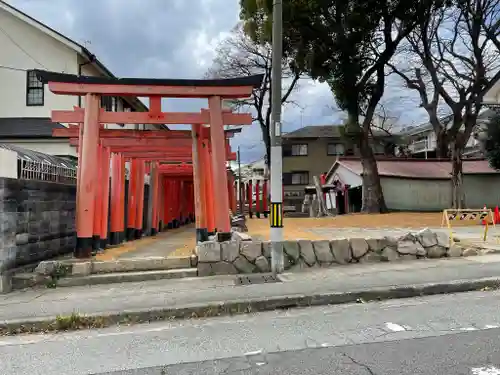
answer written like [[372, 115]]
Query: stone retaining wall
[[37, 221], [254, 256]]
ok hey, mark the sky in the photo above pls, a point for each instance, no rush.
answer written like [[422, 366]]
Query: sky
[[171, 39]]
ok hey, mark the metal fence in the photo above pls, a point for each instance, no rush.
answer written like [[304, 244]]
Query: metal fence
[[36, 170]]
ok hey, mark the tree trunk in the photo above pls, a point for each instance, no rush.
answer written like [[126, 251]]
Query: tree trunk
[[373, 196], [266, 137], [457, 194], [442, 145]]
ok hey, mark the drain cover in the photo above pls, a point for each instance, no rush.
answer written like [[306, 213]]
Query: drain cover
[[262, 278]]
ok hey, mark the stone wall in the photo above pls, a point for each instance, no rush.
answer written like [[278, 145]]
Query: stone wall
[[254, 256], [37, 221]]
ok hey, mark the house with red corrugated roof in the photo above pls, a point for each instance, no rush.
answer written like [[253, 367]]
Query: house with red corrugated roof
[[415, 184]]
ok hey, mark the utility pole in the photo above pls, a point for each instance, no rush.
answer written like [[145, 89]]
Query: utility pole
[[276, 230], [240, 198]]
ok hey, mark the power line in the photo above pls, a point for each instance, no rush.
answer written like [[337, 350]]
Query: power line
[[21, 48]]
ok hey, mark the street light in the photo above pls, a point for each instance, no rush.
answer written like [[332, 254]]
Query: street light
[[276, 214]]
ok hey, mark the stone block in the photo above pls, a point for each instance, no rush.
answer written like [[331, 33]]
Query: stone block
[[5, 283], [341, 250], [46, 267], [371, 257], [470, 252], [389, 254], [251, 250], [408, 257], [240, 236], [376, 244], [266, 249], [410, 247], [436, 251], [292, 249], [454, 251], [22, 238], [443, 239], [307, 252], [209, 251], [230, 251], [323, 252], [390, 241], [262, 264], [243, 265], [223, 268], [359, 247], [300, 265], [407, 237], [426, 237], [205, 269], [81, 269]]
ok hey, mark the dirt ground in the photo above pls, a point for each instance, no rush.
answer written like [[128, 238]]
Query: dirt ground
[[304, 227]]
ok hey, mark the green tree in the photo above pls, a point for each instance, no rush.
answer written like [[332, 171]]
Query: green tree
[[492, 141], [346, 43]]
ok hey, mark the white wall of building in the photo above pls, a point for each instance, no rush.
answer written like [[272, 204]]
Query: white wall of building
[[25, 47]]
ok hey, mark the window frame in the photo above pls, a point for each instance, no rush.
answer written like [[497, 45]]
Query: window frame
[[289, 181], [288, 149], [336, 153], [30, 88]]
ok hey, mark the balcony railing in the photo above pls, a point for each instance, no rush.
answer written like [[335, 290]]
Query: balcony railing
[[419, 146]]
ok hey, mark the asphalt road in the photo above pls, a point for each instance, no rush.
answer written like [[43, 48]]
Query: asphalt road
[[453, 334]]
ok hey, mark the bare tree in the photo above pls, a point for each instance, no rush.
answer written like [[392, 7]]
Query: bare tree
[[238, 56], [458, 54]]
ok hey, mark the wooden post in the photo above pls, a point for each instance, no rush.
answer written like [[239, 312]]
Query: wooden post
[[132, 200], [264, 198], [121, 216], [97, 201], [209, 194], [250, 199], [86, 193], [116, 185], [257, 199], [105, 154], [221, 196], [198, 173], [153, 186], [139, 218]]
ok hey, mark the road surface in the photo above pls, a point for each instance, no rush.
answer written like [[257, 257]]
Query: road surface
[[452, 334]]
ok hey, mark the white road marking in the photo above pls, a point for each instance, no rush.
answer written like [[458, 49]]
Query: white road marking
[[489, 326], [254, 353], [490, 370], [468, 329], [394, 327]]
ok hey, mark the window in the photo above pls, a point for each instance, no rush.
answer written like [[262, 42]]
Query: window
[[107, 103], [295, 150], [335, 149], [296, 178], [258, 171], [35, 90]]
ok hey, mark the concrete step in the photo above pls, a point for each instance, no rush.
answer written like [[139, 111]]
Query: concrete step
[[122, 277], [23, 280]]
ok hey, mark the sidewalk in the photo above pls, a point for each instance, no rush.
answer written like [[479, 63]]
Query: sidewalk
[[104, 300]]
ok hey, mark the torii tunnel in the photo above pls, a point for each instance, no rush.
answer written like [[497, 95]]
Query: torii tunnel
[[187, 169]]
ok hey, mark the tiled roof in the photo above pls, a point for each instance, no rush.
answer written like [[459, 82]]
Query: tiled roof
[[425, 169], [27, 127], [324, 131]]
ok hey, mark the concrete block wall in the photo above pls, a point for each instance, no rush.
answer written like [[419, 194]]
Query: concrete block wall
[[37, 221], [235, 256]]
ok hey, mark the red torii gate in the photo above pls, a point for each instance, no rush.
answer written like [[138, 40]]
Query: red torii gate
[[89, 133], [132, 150]]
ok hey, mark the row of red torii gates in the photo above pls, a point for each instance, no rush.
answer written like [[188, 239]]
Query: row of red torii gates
[[187, 169]]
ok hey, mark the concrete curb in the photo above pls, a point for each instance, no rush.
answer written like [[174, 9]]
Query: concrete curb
[[234, 307]]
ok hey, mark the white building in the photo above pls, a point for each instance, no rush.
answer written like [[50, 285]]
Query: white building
[[26, 103], [422, 139]]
